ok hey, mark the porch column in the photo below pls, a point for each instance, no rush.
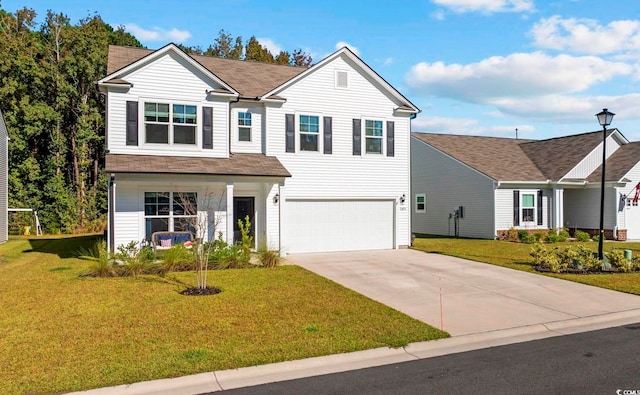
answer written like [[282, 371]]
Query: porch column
[[230, 212], [111, 204], [282, 191], [558, 208]]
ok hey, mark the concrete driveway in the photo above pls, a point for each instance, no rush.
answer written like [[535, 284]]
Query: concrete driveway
[[464, 297]]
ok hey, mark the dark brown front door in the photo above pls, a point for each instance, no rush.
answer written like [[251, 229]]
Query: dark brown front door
[[243, 207]]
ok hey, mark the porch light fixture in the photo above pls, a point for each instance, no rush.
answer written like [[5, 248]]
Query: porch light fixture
[[604, 118], [403, 198], [276, 198]]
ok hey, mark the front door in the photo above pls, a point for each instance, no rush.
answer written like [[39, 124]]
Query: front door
[[243, 207]]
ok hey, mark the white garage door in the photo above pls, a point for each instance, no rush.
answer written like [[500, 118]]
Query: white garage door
[[633, 222], [338, 225]]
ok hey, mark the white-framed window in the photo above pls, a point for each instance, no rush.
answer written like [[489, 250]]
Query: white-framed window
[[309, 131], [244, 126], [170, 211], [421, 203], [373, 136], [170, 123], [528, 207]]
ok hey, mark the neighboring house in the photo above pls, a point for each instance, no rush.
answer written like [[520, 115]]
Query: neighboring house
[[317, 157], [4, 176], [482, 186]]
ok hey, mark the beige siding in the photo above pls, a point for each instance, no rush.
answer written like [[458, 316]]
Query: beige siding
[[449, 184]]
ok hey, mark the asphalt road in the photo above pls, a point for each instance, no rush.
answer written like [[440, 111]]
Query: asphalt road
[[599, 362]]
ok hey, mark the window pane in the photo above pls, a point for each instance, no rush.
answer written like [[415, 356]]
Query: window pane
[[156, 203], [420, 206], [157, 133], [309, 124], [308, 142], [373, 128], [184, 134], [374, 145], [244, 119], [184, 224], [420, 199], [185, 203], [527, 200], [184, 114], [156, 225], [527, 215], [244, 134]]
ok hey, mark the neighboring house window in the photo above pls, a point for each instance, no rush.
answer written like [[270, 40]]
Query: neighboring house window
[[167, 211], [373, 136], [309, 131], [421, 203], [631, 202], [244, 126], [170, 124], [528, 207]]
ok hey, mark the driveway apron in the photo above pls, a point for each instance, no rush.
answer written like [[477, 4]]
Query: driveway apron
[[460, 296]]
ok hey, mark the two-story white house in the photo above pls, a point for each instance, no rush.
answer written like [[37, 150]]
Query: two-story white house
[[317, 157]]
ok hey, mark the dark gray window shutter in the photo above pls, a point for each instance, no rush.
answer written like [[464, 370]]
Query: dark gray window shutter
[[290, 133], [328, 135], [207, 127], [132, 123], [539, 207], [390, 138], [357, 140], [516, 208]]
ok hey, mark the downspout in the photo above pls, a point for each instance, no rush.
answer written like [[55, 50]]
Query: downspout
[[112, 204], [229, 130]]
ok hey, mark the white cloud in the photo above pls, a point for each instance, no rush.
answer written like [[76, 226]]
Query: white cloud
[[438, 15], [518, 75], [486, 6], [465, 126], [157, 34], [587, 35], [388, 61], [270, 45], [353, 49], [563, 108]]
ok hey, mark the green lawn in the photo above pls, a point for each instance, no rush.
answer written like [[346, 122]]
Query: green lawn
[[516, 256], [62, 332]]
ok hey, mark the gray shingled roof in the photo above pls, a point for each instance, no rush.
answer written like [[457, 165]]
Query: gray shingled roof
[[619, 163], [250, 79], [555, 157], [499, 158], [236, 164], [506, 159]]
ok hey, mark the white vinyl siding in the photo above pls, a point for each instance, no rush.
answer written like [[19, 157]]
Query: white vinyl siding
[[337, 225], [449, 184], [341, 175], [257, 136], [594, 159], [504, 208], [168, 79], [582, 208]]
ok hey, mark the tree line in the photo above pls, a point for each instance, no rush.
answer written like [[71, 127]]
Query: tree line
[[55, 113]]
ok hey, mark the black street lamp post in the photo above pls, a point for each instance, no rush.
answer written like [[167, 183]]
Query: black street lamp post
[[604, 118]]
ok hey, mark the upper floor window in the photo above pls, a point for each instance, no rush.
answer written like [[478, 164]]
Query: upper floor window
[[244, 126], [373, 136], [309, 131], [170, 124]]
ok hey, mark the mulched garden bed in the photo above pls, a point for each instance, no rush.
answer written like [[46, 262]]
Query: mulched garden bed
[[195, 291]]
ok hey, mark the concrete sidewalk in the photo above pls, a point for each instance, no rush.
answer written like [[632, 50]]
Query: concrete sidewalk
[[482, 306]]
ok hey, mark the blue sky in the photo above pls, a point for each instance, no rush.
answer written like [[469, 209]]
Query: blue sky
[[481, 67]]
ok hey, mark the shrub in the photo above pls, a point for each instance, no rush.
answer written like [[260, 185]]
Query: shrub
[[586, 259], [582, 236], [563, 234], [269, 258], [511, 235], [177, 258], [522, 234], [229, 257], [544, 258], [552, 236], [616, 259], [102, 263], [567, 258], [538, 236]]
